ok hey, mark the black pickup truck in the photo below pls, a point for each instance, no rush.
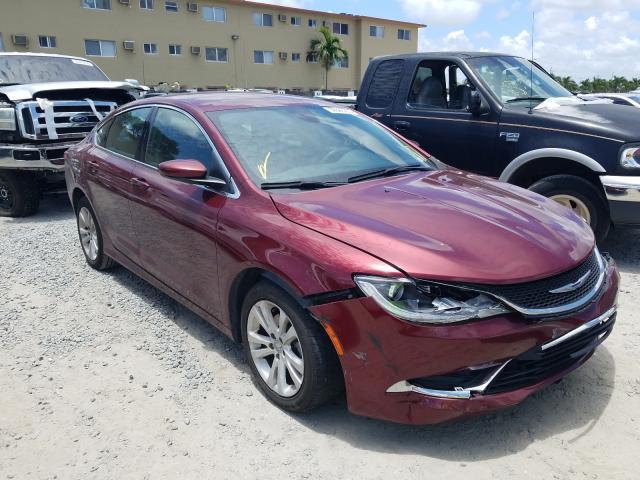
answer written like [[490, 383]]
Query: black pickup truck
[[505, 117]]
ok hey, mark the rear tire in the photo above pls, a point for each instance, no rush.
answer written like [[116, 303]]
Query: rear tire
[[91, 237], [318, 381], [581, 193], [19, 194]]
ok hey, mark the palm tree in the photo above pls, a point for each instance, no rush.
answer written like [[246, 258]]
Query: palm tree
[[327, 50]]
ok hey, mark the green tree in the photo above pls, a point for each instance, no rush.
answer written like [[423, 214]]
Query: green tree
[[327, 50]]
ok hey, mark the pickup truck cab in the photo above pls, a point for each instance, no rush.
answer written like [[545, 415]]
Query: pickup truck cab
[[505, 117], [47, 104]]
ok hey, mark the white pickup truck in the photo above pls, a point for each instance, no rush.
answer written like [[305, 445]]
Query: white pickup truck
[[47, 104]]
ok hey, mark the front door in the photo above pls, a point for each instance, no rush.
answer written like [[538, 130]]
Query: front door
[[175, 220], [109, 168], [436, 115]]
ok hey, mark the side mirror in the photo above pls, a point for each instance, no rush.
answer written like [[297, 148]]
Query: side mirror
[[477, 105], [190, 170]]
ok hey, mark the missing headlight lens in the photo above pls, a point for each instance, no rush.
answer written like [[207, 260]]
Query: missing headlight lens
[[438, 304]]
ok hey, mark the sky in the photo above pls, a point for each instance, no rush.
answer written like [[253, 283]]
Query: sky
[[580, 38]]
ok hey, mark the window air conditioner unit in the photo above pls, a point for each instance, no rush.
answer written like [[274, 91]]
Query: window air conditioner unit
[[129, 45], [125, 2], [21, 40], [195, 50], [193, 7], [282, 18], [283, 55]]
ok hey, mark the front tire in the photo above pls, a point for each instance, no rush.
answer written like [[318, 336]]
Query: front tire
[[289, 353], [91, 237], [19, 194], [581, 196]]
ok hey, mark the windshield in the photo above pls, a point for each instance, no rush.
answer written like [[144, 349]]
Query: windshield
[[512, 80], [39, 69], [312, 143]]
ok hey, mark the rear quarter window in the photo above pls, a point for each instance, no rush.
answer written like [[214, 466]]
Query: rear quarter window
[[383, 86]]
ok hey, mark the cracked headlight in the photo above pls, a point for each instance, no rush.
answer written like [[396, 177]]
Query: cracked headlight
[[428, 303]]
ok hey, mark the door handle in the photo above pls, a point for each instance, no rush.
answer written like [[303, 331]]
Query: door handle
[[139, 184], [402, 125], [93, 166]]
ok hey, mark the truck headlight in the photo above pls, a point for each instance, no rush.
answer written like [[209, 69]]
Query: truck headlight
[[630, 157], [428, 303], [7, 118]]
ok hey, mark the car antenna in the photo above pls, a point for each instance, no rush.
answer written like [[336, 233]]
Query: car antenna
[[533, 21]]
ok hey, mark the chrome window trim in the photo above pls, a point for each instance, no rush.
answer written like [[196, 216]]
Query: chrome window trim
[[234, 194]]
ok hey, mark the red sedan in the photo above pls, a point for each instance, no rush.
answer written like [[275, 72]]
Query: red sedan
[[342, 256]]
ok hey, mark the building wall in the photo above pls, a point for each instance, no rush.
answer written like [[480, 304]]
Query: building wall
[[71, 24]]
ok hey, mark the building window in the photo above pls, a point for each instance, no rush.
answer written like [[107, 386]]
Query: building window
[[341, 28], [312, 23], [150, 48], [342, 63], [47, 41], [97, 4], [295, 57], [312, 57], [100, 48], [296, 21], [216, 54], [171, 6], [404, 34], [376, 31], [263, 19], [263, 57], [175, 49], [146, 4], [1, 43], [214, 14]]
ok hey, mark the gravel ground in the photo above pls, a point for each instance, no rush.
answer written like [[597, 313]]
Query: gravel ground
[[102, 376]]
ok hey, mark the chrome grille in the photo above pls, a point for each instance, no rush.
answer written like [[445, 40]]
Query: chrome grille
[[72, 118]]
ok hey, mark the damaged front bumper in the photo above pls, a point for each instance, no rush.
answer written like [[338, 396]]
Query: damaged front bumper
[[421, 374], [49, 157]]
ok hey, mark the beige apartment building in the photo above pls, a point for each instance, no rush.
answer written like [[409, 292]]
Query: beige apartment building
[[205, 44]]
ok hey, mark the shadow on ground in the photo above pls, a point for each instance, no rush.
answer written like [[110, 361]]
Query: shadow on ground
[[53, 207], [622, 243], [575, 404]]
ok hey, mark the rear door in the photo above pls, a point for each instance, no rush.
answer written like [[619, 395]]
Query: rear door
[[109, 165], [435, 113], [175, 221], [377, 99]]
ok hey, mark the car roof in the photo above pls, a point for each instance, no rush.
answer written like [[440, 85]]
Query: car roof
[[605, 94], [444, 55], [213, 101], [34, 54]]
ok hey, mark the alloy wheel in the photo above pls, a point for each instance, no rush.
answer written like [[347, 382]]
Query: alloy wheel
[[88, 233], [275, 348], [575, 204]]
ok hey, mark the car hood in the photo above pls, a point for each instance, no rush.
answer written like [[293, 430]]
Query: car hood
[[17, 93], [447, 225], [607, 120]]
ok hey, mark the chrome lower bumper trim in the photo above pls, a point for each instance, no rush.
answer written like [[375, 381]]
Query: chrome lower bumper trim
[[465, 393], [619, 188], [39, 157], [605, 317]]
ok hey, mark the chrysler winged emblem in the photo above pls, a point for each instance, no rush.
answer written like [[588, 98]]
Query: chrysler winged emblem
[[570, 287]]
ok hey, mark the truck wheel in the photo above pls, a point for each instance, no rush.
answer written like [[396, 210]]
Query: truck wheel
[[19, 194], [581, 196]]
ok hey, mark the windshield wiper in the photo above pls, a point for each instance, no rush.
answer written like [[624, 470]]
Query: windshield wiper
[[386, 172], [522, 99], [300, 185]]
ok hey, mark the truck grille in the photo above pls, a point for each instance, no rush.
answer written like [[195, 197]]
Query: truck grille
[[72, 118]]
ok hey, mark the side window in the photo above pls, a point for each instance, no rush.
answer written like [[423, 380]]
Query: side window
[[384, 84], [125, 132], [101, 133], [458, 88], [174, 136], [428, 88]]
